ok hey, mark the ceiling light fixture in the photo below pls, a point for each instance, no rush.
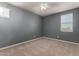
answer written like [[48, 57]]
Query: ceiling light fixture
[[44, 6]]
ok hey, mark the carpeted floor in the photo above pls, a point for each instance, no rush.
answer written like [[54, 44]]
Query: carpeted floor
[[42, 47]]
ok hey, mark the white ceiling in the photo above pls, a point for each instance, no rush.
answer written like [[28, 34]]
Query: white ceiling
[[54, 7]]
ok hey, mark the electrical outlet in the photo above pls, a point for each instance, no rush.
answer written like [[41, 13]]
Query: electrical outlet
[[58, 37], [34, 36]]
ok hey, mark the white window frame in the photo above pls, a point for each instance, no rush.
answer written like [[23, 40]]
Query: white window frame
[[67, 22], [4, 12]]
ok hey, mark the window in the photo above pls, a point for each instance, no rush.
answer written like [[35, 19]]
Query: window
[[67, 23], [4, 12]]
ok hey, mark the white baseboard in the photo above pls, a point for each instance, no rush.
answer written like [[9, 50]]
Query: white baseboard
[[37, 39], [19, 43], [61, 40]]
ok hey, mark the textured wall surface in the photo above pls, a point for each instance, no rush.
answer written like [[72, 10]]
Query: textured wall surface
[[52, 26], [21, 26]]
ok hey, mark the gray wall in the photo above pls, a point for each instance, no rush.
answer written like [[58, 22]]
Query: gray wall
[[52, 26], [21, 26]]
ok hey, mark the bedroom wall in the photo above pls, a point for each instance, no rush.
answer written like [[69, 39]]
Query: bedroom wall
[[52, 26], [21, 26]]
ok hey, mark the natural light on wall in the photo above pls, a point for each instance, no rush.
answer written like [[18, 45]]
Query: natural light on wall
[[4, 12], [67, 22]]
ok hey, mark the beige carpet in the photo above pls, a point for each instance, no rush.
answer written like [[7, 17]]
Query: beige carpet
[[42, 47]]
